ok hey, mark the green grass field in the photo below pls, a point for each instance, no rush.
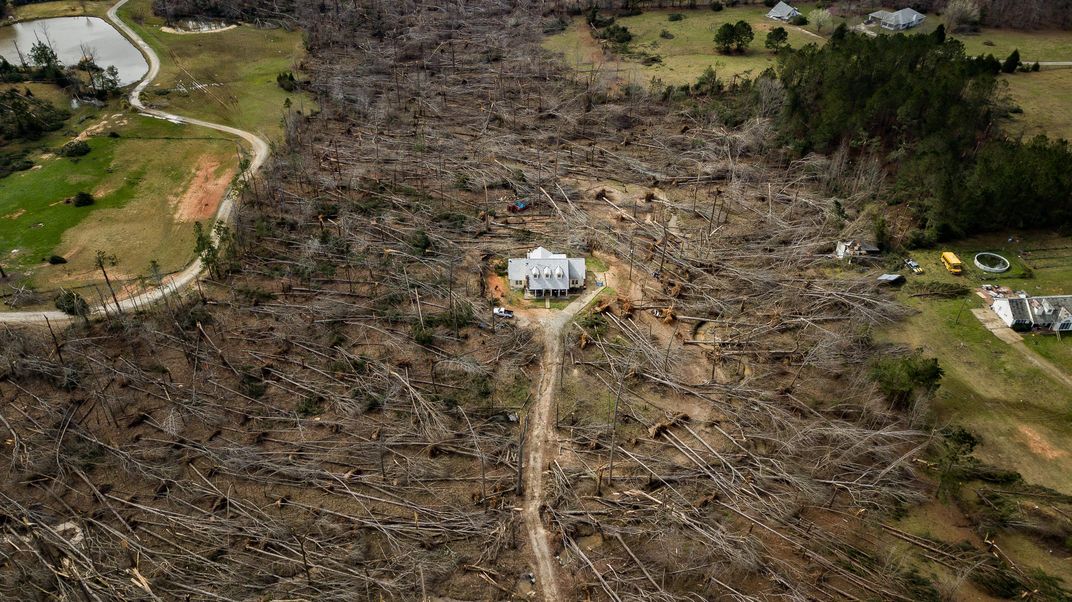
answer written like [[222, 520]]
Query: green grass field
[[136, 184], [1022, 415], [689, 52], [225, 77], [1043, 96], [63, 8], [1040, 45]]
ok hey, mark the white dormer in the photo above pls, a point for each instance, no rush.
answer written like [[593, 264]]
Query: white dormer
[[535, 272], [547, 272], [558, 273]]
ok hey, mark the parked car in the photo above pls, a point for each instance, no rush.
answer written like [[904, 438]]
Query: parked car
[[518, 206], [914, 266], [502, 312]]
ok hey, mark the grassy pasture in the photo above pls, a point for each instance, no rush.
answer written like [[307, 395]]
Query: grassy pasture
[[136, 179], [226, 77], [1044, 98], [689, 52], [63, 8]]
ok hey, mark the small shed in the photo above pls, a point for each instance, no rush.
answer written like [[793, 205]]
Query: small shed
[[855, 248], [891, 279]]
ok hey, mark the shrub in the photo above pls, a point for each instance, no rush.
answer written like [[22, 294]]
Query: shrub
[[83, 199], [777, 38], [900, 378], [617, 34], [666, 35], [716, 5], [56, 260], [799, 21], [72, 304], [596, 21], [675, 17], [310, 406], [287, 81], [1010, 65], [75, 148]]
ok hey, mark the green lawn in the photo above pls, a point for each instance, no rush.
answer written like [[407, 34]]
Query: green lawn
[[1023, 417], [63, 8], [225, 77], [136, 178], [1033, 45], [689, 52], [1044, 97]]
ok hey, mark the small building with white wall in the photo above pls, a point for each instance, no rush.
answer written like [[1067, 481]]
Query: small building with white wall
[[545, 274]]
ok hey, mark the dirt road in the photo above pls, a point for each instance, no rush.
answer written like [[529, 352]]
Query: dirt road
[[542, 445], [175, 282]]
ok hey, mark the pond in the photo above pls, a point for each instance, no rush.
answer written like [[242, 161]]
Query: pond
[[71, 37]]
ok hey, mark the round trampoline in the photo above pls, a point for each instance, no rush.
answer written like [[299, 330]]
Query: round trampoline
[[991, 262]]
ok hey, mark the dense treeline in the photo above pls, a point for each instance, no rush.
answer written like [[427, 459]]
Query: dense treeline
[[930, 112], [234, 10]]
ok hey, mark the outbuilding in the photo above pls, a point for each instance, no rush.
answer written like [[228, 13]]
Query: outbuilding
[[783, 12]]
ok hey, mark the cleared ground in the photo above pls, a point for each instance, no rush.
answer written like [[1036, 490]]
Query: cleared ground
[[226, 77]]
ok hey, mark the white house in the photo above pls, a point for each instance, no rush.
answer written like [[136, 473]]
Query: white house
[[906, 18], [546, 274], [1047, 313], [782, 12]]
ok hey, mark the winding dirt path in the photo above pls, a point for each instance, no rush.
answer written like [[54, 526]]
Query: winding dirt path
[[178, 281], [542, 445]]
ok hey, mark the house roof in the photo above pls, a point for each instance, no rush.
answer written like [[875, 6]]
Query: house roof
[[907, 15], [891, 278], [782, 11], [545, 270], [1050, 310], [1018, 308], [901, 17]]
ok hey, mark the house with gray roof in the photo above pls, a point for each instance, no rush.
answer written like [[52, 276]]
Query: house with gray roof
[[1052, 313], [545, 274], [782, 12], [906, 18]]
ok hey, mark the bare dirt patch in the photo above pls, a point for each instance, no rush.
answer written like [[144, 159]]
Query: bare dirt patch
[[205, 192], [1039, 445], [100, 126], [15, 215]]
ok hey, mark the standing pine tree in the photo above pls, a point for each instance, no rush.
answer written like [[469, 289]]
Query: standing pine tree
[[1012, 63]]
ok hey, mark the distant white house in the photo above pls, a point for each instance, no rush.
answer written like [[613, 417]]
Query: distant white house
[[782, 12], [545, 274], [906, 18], [1046, 313]]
